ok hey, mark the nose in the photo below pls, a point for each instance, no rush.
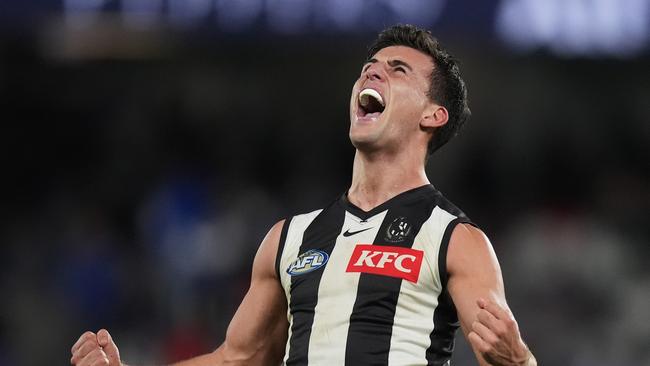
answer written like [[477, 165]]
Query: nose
[[374, 72]]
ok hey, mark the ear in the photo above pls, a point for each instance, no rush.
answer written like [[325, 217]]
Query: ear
[[434, 116]]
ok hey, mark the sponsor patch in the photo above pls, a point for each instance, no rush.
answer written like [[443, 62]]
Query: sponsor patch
[[308, 261], [397, 262]]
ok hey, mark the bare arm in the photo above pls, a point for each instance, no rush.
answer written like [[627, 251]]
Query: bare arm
[[476, 287], [256, 334]]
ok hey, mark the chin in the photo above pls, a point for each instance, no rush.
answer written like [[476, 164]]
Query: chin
[[364, 142]]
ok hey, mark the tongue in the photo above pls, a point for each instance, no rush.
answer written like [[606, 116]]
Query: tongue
[[373, 115]]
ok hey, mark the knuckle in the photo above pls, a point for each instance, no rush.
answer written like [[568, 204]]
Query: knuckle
[[87, 347], [77, 355], [500, 331], [96, 353], [475, 339], [87, 343], [82, 339], [485, 348], [492, 342]]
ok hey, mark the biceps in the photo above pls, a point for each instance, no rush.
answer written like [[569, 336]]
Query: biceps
[[259, 326], [474, 273], [465, 291]]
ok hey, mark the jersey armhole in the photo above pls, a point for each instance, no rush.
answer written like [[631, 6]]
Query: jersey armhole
[[444, 246], [283, 238]]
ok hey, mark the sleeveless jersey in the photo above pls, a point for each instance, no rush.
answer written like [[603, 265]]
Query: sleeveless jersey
[[369, 288]]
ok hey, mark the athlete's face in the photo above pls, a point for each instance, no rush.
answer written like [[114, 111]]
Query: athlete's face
[[389, 99]]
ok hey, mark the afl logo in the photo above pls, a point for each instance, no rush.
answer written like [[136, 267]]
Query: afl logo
[[308, 261]]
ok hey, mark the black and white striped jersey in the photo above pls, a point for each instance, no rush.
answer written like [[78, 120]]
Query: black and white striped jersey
[[369, 288]]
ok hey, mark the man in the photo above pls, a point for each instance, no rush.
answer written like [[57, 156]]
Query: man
[[382, 275]]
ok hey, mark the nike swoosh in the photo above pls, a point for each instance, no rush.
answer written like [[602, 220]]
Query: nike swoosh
[[350, 233]]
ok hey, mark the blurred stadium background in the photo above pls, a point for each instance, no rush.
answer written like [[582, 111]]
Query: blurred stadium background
[[148, 145]]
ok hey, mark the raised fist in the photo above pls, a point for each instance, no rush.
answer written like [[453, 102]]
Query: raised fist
[[495, 334], [95, 350]]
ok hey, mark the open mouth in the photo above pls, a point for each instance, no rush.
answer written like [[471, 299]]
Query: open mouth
[[371, 103]]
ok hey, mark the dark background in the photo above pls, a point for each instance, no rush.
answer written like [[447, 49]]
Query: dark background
[[144, 160]]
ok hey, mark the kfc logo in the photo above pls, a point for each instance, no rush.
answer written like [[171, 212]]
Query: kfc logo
[[386, 261]]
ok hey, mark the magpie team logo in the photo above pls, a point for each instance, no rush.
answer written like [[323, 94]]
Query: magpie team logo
[[398, 230], [308, 261]]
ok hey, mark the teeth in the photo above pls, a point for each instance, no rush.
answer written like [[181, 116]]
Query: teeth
[[366, 94]]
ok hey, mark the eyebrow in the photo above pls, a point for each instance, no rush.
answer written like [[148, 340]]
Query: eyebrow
[[394, 63], [369, 61], [391, 63]]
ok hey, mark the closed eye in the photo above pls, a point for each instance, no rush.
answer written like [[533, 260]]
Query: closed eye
[[400, 65]]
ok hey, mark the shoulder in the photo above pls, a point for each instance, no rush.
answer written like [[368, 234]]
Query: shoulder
[[444, 204], [286, 232], [269, 246], [470, 250], [470, 235], [444, 218], [274, 233], [304, 217]]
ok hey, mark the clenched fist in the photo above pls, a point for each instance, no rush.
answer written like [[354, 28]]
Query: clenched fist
[[496, 336], [95, 350]]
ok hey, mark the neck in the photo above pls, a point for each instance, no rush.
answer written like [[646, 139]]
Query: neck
[[378, 178]]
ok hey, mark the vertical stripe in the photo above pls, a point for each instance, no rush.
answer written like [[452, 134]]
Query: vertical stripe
[[371, 322], [445, 318], [283, 238], [321, 234], [337, 294], [413, 321], [295, 233]]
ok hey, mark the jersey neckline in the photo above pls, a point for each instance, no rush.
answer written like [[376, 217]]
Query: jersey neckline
[[414, 193]]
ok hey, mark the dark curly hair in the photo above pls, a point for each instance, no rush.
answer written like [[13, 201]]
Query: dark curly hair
[[447, 86]]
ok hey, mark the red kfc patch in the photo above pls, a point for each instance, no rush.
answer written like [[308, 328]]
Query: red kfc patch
[[386, 261]]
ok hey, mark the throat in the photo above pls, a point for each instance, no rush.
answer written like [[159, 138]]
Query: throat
[[375, 181]]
